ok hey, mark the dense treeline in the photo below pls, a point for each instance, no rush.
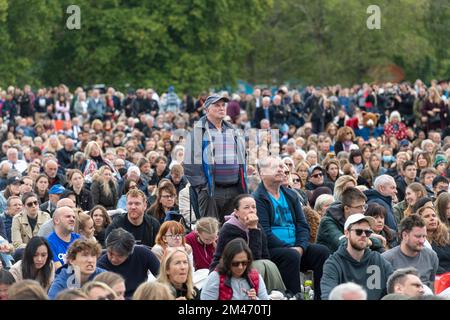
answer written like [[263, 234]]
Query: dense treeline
[[198, 44]]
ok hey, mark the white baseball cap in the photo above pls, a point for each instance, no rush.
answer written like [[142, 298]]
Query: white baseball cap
[[354, 218]]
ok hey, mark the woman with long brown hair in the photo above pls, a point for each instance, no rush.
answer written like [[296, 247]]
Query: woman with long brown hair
[[442, 205], [413, 192], [437, 236]]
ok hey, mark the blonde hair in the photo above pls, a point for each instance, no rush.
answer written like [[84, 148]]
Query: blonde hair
[[340, 183], [207, 225], [97, 284], [165, 266], [88, 149], [99, 176], [153, 291], [27, 290]]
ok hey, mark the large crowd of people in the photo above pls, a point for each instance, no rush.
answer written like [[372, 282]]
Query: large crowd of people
[[289, 193]]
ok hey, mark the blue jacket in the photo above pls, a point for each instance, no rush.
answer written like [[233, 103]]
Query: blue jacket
[[199, 157], [266, 217], [65, 278], [373, 196]]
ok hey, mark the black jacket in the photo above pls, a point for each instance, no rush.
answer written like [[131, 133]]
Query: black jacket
[[65, 158], [98, 196], [84, 199], [151, 226], [259, 115], [256, 240]]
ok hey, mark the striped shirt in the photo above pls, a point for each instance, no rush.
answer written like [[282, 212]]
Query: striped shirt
[[226, 166]]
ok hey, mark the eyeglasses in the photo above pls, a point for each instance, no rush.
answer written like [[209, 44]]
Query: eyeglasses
[[32, 203], [238, 263], [317, 175], [168, 196], [174, 236], [359, 232], [363, 207]]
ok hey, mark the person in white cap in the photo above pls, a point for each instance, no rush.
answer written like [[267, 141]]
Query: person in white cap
[[355, 262]]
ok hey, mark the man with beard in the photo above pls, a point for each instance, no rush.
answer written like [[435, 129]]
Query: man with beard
[[142, 226], [63, 236], [356, 262], [411, 252]]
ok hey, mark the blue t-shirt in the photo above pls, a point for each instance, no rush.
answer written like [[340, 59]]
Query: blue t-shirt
[[283, 227], [59, 247]]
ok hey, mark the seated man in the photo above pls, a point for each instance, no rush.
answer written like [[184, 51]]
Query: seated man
[[316, 176], [132, 262], [411, 252], [406, 282], [281, 216], [356, 262], [331, 227], [63, 236], [142, 226]]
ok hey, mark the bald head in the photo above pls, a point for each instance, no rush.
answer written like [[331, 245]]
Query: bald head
[[64, 220], [66, 202]]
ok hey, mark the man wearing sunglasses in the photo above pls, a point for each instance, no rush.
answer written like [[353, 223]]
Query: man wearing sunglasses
[[356, 262], [316, 176], [331, 227]]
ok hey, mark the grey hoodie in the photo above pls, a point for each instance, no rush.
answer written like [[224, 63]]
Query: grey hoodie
[[371, 272]]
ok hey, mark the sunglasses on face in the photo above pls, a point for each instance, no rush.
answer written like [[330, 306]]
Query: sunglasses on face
[[359, 232], [317, 175], [32, 204], [238, 263]]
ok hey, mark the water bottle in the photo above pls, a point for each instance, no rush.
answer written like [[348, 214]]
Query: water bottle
[[308, 291]]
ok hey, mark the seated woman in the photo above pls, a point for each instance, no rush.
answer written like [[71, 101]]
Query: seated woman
[[82, 267], [85, 226], [437, 236], [27, 224], [171, 234], [104, 188], [176, 272], [413, 192], [76, 184], [166, 199], [36, 263], [41, 187], [243, 223], [386, 235], [203, 241], [235, 278], [101, 221]]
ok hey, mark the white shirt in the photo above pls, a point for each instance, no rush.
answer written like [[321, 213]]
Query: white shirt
[[19, 165]]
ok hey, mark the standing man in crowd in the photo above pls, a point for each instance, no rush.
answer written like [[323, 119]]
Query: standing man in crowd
[[215, 160]]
